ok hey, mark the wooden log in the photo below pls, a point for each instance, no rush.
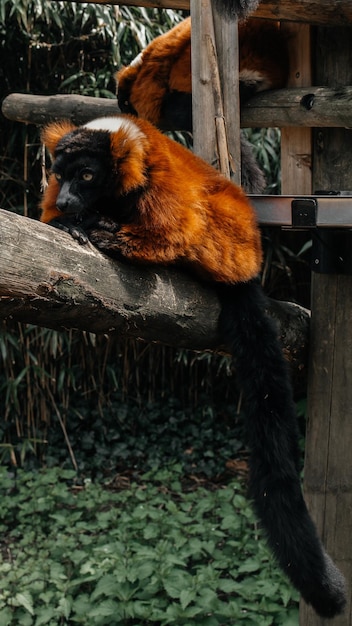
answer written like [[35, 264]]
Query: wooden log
[[48, 279], [303, 106], [324, 12], [328, 469], [39, 110]]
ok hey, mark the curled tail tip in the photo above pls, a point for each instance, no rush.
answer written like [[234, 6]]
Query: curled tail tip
[[330, 599]]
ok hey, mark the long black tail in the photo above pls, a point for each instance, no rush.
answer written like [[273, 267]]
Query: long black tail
[[272, 431], [236, 8]]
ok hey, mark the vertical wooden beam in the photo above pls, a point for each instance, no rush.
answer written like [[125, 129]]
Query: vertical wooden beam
[[203, 107], [328, 467], [296, 150], [215, 91], [226, 36]]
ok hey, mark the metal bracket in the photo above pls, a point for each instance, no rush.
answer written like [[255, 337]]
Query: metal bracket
[[316, 211], [304, 213], [327, 214]]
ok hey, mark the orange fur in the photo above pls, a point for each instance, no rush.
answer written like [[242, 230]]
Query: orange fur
[[148, 82], [48, 202], [166, 65], [186, 211], [52, 134]]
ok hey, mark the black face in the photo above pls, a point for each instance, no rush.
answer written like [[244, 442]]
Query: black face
[[84, 183], [89, 179]]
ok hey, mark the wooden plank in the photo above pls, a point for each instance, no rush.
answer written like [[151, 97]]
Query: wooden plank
[[324, 12], [328, 469], [296, 143]]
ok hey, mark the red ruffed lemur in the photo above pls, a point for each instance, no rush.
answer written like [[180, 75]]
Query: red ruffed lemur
[[141, 197], [157, 85]]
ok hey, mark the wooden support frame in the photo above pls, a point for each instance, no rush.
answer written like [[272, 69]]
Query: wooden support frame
[[328, 470]]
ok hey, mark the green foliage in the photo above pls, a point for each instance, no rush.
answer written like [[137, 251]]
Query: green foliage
[[266, 148], [61, 47], [150, 554], [98, 393]]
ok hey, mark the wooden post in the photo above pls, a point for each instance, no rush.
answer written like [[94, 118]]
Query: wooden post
[[328, 466], [296, 150], [215, 93]]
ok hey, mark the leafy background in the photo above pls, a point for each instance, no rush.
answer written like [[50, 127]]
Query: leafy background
[[123, 467]]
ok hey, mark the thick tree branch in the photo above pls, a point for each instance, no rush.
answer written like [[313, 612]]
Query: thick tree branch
[[48, 279]]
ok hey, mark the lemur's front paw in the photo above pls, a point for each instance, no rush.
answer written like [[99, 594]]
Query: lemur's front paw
[[76, 231], [102, 239]]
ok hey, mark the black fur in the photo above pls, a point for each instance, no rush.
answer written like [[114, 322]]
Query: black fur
[[252, 177], [272, 433], [78, 152], [176, 114], [176, 111], [236, 8]]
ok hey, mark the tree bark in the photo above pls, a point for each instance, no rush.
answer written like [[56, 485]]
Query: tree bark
[[303, 106], [48, 279]]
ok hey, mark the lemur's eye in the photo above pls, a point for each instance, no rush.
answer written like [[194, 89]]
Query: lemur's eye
[[58, 176], [87, 175]]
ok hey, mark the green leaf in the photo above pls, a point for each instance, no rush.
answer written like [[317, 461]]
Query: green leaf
[[105, 609], [249, 566], [25, 599], [186, 597], [65, 606], [6, 616], [175, 583], [106, 586], [44, 616]]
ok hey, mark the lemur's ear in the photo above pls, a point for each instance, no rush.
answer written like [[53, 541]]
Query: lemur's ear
[[52, 133]]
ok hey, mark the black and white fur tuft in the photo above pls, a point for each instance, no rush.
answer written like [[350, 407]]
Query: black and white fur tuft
[[236, 8]]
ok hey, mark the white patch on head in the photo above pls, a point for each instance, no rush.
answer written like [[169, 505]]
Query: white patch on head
[[138, 60], [113, 124], [253, 77]]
